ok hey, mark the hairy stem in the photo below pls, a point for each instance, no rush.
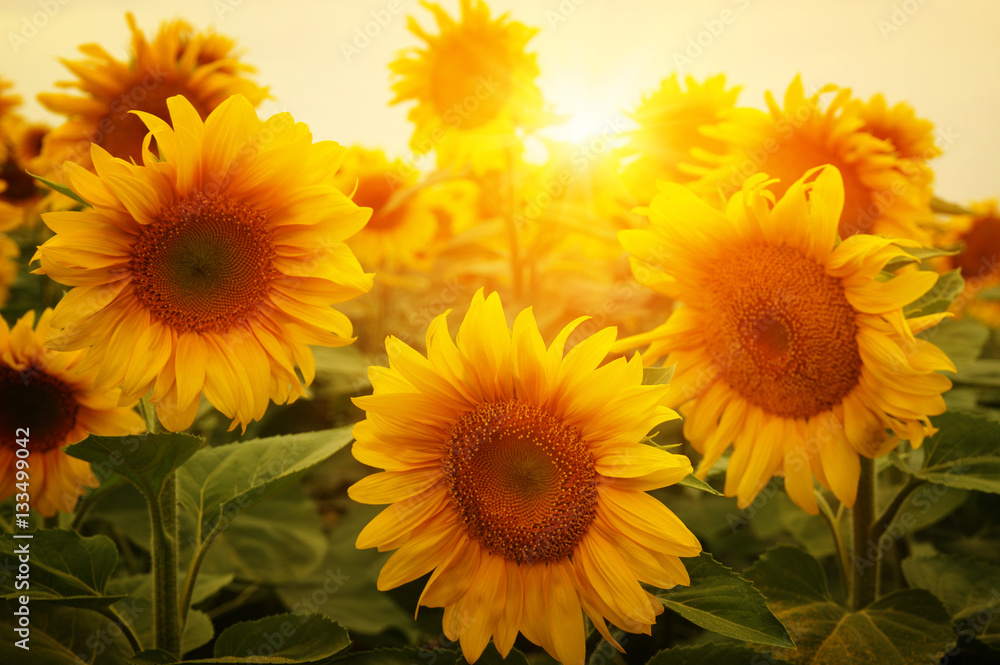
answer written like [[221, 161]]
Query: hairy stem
[[163, 516], [864, 584]]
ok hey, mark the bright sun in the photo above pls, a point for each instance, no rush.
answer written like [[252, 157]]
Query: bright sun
[[589, 111]]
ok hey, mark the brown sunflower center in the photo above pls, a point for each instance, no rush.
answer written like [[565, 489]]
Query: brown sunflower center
[[470, 83], [374, 192], [121, 133], [982, 250], [38, 402], [782, 332], [523, 482], [204, 265]]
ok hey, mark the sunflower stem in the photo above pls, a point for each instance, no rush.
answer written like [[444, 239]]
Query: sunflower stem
[[191, 575], [148, 412], [864, 582], [124, 626], [163, 516], [888, 516], [511, 205], [833, 521], [948, 208]]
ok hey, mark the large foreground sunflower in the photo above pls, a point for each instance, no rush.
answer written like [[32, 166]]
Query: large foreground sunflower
[[884, 193], [211, 270], [474, 85], [789, 346], [516, 474], [50, 404], [202, 66]]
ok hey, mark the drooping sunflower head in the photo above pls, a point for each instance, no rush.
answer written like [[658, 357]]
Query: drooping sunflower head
[[977, 237], [211, 268], [473, 84], [201, 66], [670, 130], [403, 226], [9, 252], [883, 193], [911, 137], [516, 474], [22, 200], [789, 346], [49, 403], [16, 186]]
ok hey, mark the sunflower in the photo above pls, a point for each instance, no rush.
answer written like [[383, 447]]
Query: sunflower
[[474, 85], [517, 475], [978, 238], [669, 132], [212, 269], [397, 236], [15, 184], [911, 137], [47, 400], [788, 345], [8, 266], [201, 66], [883, 193], [22, 200]]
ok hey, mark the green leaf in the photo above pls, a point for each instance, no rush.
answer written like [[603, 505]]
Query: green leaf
[[904, 627], [968, 589], [962, 340], [657, 376], [939, 297], [146, 459], [981, 372], [272, 543], [343, 585], [926, 505], [694, 482], [716, 654], [63, 636], [217, 484], [62, 189], [721, 601], [402, 656], [964, 453], [152, 657], [65, 567], [491, 656], [778, 515], [137, 609], [992, 294], [308, 639], [285, 638], [919, 254], [949, 208]]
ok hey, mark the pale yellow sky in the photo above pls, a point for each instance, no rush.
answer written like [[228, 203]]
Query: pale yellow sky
[[599, 55]]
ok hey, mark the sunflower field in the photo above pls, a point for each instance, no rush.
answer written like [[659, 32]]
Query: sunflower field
[[713, 380]]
